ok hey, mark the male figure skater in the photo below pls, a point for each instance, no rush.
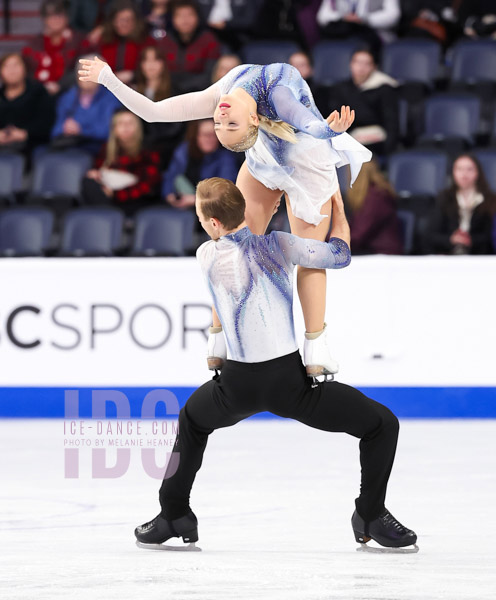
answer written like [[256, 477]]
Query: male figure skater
[[250, 278]]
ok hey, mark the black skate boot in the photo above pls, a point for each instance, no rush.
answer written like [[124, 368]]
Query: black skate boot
[[151, 535], [386, 531]]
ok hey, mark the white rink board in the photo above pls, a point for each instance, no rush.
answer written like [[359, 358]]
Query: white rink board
[[428, 321]]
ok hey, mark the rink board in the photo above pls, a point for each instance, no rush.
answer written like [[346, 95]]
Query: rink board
[[416, 333]]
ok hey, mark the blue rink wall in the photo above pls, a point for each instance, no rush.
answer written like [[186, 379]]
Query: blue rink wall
[[405, 402]]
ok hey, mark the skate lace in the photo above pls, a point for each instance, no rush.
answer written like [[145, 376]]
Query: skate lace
[[389, 521]]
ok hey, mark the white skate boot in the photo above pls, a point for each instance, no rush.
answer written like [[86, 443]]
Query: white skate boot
[[216, 349], [316, 356]]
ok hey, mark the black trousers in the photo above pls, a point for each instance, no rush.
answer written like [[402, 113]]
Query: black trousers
[[282, 387]]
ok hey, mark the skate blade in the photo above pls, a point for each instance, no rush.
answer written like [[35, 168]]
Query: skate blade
[[191, 547], [388, 550]]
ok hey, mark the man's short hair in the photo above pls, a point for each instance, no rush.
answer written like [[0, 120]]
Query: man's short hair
[[221, 199], [54, 7]]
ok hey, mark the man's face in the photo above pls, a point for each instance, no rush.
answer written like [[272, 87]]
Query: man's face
[[207, 224]]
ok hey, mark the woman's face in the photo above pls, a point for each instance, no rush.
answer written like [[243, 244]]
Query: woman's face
[[185, 20], [205, 138], [13, 71], [301, 62], [151, 66], [361, 67], [124, 22], [465, 173], [55, 24], [126, 128], [232, 120]]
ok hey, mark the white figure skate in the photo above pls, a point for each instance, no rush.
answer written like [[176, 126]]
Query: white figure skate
[[216, 349], [317, 358]]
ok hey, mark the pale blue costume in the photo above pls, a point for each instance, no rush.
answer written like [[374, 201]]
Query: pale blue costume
[[305, 171], [250, 278]]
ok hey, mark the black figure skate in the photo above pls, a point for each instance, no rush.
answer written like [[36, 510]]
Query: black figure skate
[[151, 535], [386, 531]]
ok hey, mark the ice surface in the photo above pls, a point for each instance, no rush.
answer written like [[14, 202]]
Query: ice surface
[[274, 501]]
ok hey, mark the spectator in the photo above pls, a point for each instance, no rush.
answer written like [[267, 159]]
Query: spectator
[[199, 157], [190, 50], [53, 53], [302, 61], [374, 223], [368, 21], [373, 96], [123, 38], [153, 80], [225, 63], [26, 109], [462, 219], [83, 118], [158, 19], [124, 152], [432, 19]]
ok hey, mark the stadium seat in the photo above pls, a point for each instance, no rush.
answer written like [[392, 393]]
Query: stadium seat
[[162, 232], [331, 61], [417, 172], [412, 60], [25, 231], [474, 61], [487, 158], [269, 51], [407, 221], [451, 116], [59, 174], [92, 232], [11, 169]]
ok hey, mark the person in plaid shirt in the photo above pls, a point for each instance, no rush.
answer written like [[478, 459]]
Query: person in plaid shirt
[[124, 152]]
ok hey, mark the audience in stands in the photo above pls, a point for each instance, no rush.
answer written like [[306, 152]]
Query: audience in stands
[[157, 18], [124, 36], [462, 219], [371, 202], [124, 152], [153, 80], [234, 21], [373, 96], [478, 18], [189, 48], [199, 157], [53, 53], [83, 116], [225, 63], [371, 22], [26, 109], [430, 19], [302, 61]]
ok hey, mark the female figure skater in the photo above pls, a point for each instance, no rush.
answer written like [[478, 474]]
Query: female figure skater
[[269, 113]]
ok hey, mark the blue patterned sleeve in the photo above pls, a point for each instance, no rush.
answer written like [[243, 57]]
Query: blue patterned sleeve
[[291, 110], [334, 254]]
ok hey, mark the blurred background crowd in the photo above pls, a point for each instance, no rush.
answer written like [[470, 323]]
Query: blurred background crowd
[[420, 74]]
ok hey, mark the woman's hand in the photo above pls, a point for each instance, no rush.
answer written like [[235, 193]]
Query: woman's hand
[[461, 237], [71, 127], [340, 122], [90, 69], [94, 174]]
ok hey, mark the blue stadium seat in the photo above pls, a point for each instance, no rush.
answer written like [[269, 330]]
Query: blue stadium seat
[[474, 61], [331, 61], [25, 231], [59, 174], [451, 116], [162, 232], [412, 60], [407, 222], [11, 169], [487, 158], [418, 172], [269, 51], [92, 232]]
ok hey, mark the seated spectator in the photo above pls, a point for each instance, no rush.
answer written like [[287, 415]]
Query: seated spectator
[[153, 80], [225, 63], [83, 118], [124, 152], [53, 53], [123, 38], [158, 19], [26, 109], [462, 219], [432, 19], [190, 50], [303, 62], [371, 22], [199, 157], [372, 95], [375, 227]]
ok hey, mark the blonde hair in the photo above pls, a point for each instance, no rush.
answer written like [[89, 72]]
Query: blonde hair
[[114, 148], [280, 129], [369, 173]]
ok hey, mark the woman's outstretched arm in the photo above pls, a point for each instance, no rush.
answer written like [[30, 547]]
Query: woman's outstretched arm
[[187, 107]]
